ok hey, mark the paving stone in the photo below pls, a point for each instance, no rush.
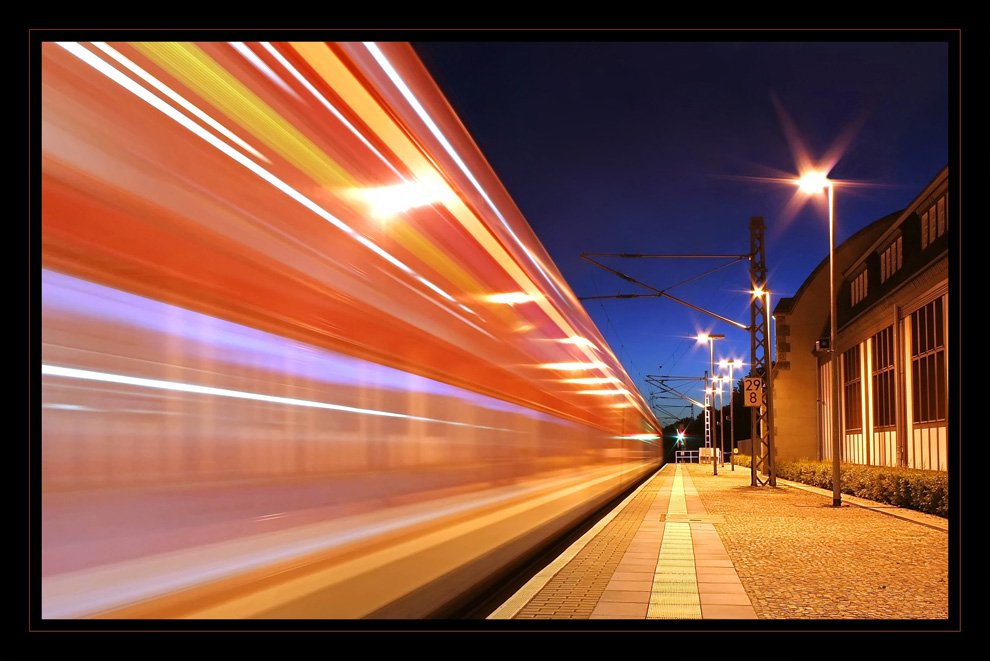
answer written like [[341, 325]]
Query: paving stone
[[771, 553]]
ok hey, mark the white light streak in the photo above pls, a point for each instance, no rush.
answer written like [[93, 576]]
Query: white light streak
[[250, 56], [167, 91], [73, 373]]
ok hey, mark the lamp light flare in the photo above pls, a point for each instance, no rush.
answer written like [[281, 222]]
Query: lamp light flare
[[813, 182]]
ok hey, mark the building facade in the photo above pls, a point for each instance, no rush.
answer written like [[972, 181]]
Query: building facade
[[892, 307]]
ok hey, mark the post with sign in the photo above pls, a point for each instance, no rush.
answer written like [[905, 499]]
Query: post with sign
[[761, 360], [754, 396]]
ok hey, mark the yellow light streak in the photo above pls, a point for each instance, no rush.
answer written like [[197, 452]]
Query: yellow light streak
[[198, 71]]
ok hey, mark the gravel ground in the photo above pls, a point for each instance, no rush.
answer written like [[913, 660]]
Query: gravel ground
[[800, 558]]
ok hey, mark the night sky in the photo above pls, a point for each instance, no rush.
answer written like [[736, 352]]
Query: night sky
[[658, 148]]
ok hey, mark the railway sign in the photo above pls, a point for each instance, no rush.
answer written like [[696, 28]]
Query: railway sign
[[754, 391]]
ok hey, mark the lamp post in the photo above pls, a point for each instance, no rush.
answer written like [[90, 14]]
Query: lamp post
[[721, 421], [814, 182], [732, 401], [710, 338]]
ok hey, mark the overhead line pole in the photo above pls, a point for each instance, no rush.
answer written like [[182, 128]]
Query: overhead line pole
[[761, 363]]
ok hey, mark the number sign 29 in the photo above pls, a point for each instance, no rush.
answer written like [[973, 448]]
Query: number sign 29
[[753, 393]]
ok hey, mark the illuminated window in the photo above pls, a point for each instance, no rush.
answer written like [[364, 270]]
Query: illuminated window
[[853, 389], [891, 259], [928, 364], [859, 288], [883, 378], [934, 221]]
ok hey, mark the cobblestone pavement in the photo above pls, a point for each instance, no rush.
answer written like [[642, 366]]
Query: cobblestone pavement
[[575, 590], [800, 558]]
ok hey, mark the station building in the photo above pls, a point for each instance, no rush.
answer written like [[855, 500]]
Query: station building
[[892, 341]]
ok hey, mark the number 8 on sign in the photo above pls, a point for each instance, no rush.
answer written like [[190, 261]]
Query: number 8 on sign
[[753, 391]]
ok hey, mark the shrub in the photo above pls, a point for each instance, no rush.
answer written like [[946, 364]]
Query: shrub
[[924, 491]]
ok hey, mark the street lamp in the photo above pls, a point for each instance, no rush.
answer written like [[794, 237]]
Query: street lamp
[[710, 338], [814, 182], [732, 400]]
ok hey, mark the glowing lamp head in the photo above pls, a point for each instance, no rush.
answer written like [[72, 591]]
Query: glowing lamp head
[[813, 182], [702, 337]]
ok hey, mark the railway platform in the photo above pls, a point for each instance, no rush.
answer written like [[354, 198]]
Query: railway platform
[[690, 545]]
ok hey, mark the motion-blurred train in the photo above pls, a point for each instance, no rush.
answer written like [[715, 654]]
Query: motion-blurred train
[[301, 355]]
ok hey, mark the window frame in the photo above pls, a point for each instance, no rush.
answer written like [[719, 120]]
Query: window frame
[[852, 389], [929, 404], [884, 379]]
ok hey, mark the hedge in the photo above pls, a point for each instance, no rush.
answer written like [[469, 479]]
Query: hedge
[[924, 491]]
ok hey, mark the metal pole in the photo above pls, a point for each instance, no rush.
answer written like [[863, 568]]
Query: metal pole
[[732, 419], [833, 359], [711, 346], [771, 446], [721, 424]]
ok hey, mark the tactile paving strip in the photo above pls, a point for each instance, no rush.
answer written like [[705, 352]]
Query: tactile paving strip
[[675, 583]]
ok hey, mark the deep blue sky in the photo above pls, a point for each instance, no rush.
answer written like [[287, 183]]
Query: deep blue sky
[[646, 148]]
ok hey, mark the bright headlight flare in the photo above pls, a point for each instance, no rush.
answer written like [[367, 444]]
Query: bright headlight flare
[[579, 341], [388, 201], [510, 298], [573, 366], [589, 380]]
